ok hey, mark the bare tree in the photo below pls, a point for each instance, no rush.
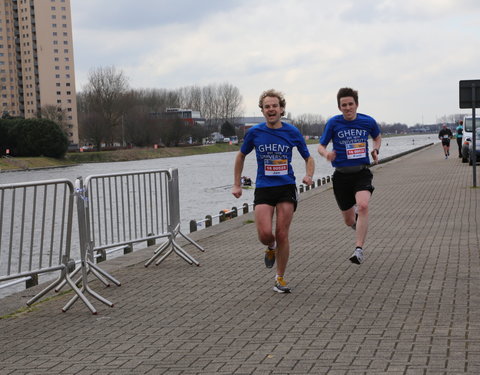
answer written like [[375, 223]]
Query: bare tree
[[191, 98], [230, 102], [105, 93], [309, 124], [56, 114]]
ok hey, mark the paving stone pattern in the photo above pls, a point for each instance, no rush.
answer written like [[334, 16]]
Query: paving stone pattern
[[413, 306]]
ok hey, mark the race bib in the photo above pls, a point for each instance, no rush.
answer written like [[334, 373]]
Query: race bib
[[356, 150], [445, 136], [277, 167]]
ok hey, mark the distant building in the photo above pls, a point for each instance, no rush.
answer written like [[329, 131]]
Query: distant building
[[36, 60], [189, 116]]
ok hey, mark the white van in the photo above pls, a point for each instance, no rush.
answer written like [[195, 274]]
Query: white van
[[467, 135]]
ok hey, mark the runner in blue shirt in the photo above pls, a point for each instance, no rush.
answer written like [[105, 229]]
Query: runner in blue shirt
[[275, 189], [352, 180]]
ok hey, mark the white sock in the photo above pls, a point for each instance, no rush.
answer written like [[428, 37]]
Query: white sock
[[274, 246]]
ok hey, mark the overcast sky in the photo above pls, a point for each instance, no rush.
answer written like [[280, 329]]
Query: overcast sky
[[405, 57]]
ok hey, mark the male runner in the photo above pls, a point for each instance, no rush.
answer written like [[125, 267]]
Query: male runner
[[352, 180], [276, 191]]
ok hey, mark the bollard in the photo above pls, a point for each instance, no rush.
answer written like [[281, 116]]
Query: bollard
[[193, 226], [324, 181], [234, 212], [300, 189], [307, 187], [151, 241], [32, 281], [222, 216], [209, 220], [128, 249], [245, 208], [328, 178], [319, 182], [102, 255]]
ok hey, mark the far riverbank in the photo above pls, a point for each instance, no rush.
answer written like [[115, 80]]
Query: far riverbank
[[25, 163]]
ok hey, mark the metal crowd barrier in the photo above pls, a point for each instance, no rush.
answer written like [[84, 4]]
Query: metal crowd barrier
[[173, 226], [118, 210], [36, 233]]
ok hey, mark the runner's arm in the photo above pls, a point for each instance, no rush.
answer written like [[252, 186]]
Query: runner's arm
[[237, 174], [309, 170], [377, 142], [329, 155]]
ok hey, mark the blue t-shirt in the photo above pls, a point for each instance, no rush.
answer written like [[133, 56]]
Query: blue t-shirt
[[350, 139], [273, 148], [459, 131]]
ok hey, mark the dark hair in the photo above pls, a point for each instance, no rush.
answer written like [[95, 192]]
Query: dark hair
[[347, 91], [273, 94]]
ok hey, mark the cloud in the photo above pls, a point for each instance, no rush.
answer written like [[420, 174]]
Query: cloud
[[404, 56]]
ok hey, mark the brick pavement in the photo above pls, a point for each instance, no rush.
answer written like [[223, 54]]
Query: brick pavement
[[413, 306]]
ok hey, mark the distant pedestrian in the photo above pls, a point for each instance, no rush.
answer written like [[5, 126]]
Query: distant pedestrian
[[352, 179], [459, 137], [444, 135], [275, 188]]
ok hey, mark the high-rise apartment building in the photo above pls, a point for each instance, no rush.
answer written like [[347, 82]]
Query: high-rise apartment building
[[36, 60]]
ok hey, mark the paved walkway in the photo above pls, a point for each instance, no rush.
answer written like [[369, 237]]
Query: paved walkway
[[413, 306]]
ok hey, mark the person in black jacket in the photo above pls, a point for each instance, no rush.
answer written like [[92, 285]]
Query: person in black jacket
[[444, 135]]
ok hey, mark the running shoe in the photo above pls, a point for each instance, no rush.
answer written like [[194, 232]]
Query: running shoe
[[281, 286], [269, 258], [357, 256]]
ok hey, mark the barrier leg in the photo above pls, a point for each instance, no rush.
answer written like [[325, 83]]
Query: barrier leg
[[158, 251], [62, 284], [183, 254], [60, 279], [192, 241], [97, 271]]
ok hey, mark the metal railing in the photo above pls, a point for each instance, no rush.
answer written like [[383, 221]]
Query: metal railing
[[35, 233], [226, 214], [119, 210]]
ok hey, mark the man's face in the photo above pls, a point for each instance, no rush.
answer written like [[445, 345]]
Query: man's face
[[271, 109], [348, 107]]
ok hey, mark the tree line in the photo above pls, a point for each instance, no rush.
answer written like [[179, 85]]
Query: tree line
[[110, 112]]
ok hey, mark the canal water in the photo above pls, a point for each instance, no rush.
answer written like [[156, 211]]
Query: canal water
[[205, 180]]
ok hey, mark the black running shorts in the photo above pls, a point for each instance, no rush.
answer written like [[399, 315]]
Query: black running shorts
[[445, 142], [346, 185], [276, 194]]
